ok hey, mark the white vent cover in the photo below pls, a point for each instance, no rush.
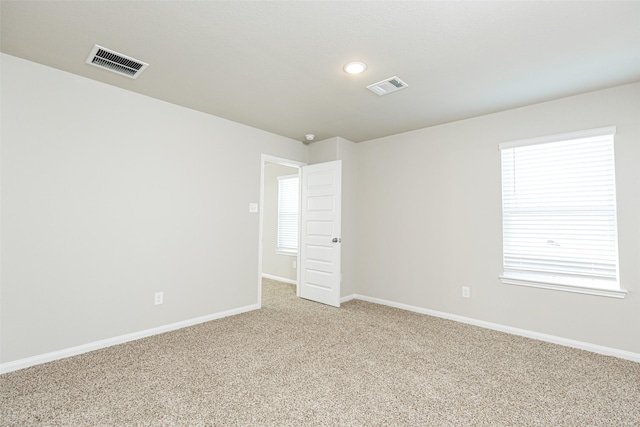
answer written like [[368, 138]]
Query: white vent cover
[[116, 62], [386, 86]]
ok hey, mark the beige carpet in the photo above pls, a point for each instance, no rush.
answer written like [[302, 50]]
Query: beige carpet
[[297, 363]]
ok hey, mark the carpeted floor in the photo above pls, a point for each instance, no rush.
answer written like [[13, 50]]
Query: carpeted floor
[[297, 363]]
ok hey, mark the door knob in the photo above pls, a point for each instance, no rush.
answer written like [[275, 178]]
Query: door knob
[[336, 240]]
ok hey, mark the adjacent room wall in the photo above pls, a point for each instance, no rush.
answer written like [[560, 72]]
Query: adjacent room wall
[[109, 196], [429, 220], [275, 265]]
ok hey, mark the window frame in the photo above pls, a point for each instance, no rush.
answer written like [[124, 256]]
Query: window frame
[[563, 281]]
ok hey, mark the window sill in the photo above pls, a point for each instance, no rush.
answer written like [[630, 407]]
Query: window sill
[[286, 252], [544, 283]]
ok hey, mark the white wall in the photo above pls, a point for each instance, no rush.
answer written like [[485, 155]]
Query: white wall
[[109, 196], [429, 220], [274, 264], [346, 151], [322, 151]]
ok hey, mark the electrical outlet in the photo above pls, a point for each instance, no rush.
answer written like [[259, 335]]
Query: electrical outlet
[[158, 298], [295, 264], [466, 292]]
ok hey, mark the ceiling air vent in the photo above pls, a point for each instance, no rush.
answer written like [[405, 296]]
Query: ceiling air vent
[[116, 62], [386, 86]]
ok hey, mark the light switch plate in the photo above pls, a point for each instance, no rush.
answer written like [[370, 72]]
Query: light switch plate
[[253, 207], [466, 292]]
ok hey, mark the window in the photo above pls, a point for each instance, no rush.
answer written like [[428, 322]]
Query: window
[[288, 214], [559, 213]]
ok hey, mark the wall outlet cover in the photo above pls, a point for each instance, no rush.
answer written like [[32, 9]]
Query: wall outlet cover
[[158, 298]]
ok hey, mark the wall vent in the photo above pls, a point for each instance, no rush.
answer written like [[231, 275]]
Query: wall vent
[[116, 62], [386, 86]]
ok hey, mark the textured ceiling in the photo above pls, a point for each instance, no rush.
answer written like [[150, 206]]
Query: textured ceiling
[[277, 65]]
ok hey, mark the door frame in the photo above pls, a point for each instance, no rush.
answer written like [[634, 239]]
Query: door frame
[[265, 158]]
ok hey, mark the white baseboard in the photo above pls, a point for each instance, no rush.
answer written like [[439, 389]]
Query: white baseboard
[[594, 348], [347, 298], [96, 345], [279, 279]]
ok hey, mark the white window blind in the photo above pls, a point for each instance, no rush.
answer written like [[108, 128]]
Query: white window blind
[[288, 204], [559, 210]]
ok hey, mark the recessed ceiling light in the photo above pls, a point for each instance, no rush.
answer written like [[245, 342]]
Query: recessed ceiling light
[[354, 67]]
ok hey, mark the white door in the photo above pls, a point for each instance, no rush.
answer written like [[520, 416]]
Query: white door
[[320, 228]]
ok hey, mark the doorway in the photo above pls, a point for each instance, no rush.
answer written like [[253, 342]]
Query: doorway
[[317, 256], [278, 258]]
